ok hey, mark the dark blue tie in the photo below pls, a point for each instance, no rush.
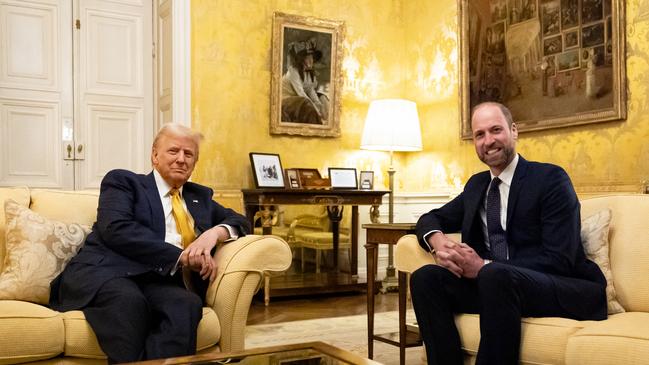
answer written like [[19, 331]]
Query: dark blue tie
[[497, 239]]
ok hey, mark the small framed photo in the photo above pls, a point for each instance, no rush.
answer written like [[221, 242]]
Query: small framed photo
[[292, 179], [367, 180], [267, 170], [311, 179], [343, 178]]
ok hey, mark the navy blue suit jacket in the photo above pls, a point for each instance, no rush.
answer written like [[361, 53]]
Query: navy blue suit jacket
[[543, 232], [128, 237]]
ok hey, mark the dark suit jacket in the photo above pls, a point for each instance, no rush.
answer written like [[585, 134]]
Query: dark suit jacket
[[543, 231], [128, 238]]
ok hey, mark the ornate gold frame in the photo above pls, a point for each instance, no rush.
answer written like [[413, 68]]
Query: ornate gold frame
[[331, 126], [543, 116]]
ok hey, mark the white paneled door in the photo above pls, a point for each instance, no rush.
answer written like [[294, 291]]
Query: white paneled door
[[76, 79]]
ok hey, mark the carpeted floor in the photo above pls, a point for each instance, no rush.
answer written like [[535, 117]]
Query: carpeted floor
[[349, 333]]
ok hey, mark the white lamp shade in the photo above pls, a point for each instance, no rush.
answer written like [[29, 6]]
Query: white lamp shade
[[392, 125]]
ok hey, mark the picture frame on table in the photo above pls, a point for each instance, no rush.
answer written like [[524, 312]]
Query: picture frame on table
[[366, 180], [553, 63], [267, 170], [311, 179], [343, 178], [293, 179], [306, 75]]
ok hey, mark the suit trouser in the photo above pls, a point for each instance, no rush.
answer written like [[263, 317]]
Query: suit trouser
[[145, 317], [501, 294]]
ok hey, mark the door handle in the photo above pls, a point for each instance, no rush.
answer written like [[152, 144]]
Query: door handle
[[68, 151], [71, 153], [80, 153]]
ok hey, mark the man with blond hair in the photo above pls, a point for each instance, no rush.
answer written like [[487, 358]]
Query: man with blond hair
[[141, 276]]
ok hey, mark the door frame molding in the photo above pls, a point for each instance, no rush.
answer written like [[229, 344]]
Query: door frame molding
[[182, 69]]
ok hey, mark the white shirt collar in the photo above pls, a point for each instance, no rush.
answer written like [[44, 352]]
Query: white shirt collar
[[508, 173], [163, 187]]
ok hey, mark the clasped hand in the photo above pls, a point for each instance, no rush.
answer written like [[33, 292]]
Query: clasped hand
[[458, 257], [198, 255]]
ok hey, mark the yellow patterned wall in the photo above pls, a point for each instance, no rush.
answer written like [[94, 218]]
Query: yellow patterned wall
[[393, 48], [609, 156], [231, 48]]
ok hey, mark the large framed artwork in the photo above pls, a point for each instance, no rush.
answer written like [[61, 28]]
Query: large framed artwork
[[554, 63], [306, 79]]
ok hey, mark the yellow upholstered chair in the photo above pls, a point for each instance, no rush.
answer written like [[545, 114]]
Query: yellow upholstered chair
[[313, 231]]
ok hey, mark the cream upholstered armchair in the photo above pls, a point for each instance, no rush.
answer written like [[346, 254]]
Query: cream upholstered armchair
[[43, 230], [615, 233], [313, 231]]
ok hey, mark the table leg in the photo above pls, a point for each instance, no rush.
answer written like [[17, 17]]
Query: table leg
[[354, 255], [371, 253], [335, 213], [251, 210], [403, 287]]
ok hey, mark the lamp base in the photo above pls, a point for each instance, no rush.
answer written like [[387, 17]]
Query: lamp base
[[390, 283]]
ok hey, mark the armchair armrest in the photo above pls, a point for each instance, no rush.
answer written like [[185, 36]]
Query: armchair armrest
[[409, 256], [240, 270]]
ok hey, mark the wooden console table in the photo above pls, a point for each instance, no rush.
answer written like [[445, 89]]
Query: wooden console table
[[261, 200], [387, 233]]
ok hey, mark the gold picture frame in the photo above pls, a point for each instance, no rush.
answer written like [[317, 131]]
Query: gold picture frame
[[306, 94], [524, 54]]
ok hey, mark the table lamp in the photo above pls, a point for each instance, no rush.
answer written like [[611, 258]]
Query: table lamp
[[391, 125]]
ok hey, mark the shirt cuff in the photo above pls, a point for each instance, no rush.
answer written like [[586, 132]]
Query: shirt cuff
[[233, 233], [176, 266], [430, 248]]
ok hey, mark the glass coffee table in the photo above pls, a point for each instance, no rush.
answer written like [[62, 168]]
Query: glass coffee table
[[310, 353]]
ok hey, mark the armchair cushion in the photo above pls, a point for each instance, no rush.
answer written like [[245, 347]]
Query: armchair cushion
[[542, 339], [30, 332], [81, 341], [37, 250], [621, 339]]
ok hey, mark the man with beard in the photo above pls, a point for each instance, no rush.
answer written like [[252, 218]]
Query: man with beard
[[520, 256]]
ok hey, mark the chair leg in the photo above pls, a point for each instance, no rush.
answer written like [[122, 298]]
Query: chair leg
[[408, 298], [266, 289], [349, 256], [317, 261]]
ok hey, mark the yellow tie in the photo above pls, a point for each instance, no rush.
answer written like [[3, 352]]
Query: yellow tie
[[183, 222]]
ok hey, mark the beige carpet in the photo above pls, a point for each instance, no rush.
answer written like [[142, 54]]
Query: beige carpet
[[349, 333]]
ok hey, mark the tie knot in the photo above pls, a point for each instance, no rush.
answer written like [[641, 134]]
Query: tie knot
[[495, 181], [173, 192]]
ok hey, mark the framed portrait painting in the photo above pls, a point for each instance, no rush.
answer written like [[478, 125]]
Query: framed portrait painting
[[553, 63], [306, 79]]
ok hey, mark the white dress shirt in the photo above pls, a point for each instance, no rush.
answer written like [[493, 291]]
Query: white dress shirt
[[505, 177], [171, 231]]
